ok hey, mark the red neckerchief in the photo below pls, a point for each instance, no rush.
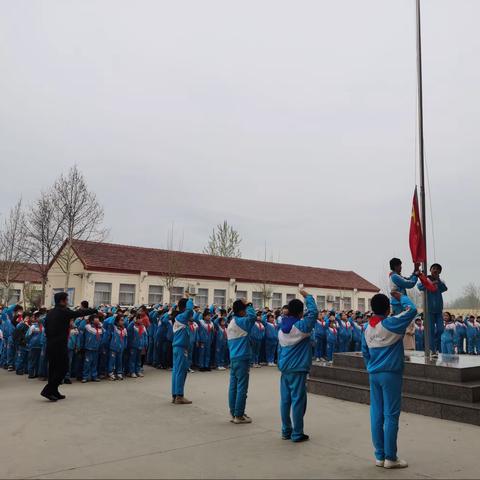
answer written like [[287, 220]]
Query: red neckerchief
[[209, 327], [97, 332], [141, 328], [260, 325], [334, 330], [321, 322], [375, 320], [224, 331], [192, 328], [40, 327], [122, 333]]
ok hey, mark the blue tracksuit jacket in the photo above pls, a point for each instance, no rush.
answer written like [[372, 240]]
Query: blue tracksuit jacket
[[382, 344], [401, 284], [434, 299], [181, 330], [295, 355], [238, 333]]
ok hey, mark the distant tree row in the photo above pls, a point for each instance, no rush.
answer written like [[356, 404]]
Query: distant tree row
[[469, 299]]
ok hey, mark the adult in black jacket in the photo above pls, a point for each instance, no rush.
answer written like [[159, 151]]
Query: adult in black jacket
[[57, 324]]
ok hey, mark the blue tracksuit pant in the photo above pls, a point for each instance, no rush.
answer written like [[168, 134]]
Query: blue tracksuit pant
[[447, 347], [134, 360], [71, 362], [331, 349], [293, 403], [221, 356], [385, 404], [11, 352], [270, 350], [204, 352], [256, 345], [115, 362], [90, 365], [320, 347], [237, 394], [21, 357], [436, 329], [43, 363], [34, 361], [180, 369]]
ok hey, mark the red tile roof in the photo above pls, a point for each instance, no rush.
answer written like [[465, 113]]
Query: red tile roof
[[127, 259], [29, 273]]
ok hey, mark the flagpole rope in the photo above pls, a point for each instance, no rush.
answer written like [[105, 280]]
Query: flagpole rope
[[431, 207]]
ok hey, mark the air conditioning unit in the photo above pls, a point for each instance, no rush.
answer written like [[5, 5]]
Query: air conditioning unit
[[330, 298], [192, 290]]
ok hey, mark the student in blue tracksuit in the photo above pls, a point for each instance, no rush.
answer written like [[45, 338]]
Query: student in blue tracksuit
[[34, 342], [159, 360], [14, 315], [238, 332], [118, 344], [152, 328], [256, 337], [357, 332], [461, 330], [332, 337], [104, 352], [320, 336], [399, 284], [383, 353], [344, 333], [472, 333], [137, 341], [21, 348], [419, 335], [271, 339], [435, 307], [449, 335], [181, 346], [73, 348], [92, 340], [294, 361], [221, 343], [43, 361], [193, 327], [206, 333]]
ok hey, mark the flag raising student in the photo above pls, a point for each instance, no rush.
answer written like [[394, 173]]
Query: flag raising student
[[294, 361], [383, 353], [399, 284]]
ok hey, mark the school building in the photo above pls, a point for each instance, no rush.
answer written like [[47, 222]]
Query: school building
[[110, 274], [25, 288]]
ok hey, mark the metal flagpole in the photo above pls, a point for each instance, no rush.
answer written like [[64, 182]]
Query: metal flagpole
[[422, 173]]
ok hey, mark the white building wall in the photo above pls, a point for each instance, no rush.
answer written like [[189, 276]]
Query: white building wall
[[84, 284]]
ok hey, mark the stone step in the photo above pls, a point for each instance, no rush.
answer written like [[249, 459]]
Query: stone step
[[419, 404], [468, 392], [449, 368]]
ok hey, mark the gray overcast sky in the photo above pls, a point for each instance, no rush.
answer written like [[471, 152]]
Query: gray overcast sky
[[294, 120]]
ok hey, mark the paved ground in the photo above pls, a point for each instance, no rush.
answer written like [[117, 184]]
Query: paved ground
[[130, 430]]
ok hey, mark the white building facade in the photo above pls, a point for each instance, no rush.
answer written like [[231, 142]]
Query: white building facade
[[107, 282]]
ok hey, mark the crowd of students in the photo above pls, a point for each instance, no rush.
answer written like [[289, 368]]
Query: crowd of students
[[116, 343]]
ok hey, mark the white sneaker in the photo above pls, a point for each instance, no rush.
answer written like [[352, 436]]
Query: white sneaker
[[317, 359], [133, 375], [141, 375], [191, 371], [271, 364], [395, 464], [379, 463], [221, 368]]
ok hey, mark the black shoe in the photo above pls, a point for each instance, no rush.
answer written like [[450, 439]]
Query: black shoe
[[286, 437], [67, 381], [45, 393], [59, 396], [303, 438], [31, 376]]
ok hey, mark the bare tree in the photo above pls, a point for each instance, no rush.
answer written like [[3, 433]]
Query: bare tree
[[44, 235], [174, 261], [224, 241], [470, 298], [266, 286], [79, 215], [12, 249]]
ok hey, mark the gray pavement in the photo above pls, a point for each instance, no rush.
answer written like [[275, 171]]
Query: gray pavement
[[131, 430]]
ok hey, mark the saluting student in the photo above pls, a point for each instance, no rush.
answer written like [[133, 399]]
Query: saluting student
[[294, 361], [383, 353]]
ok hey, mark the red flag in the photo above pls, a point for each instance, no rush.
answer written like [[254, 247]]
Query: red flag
[[417, 242], [427, 283]]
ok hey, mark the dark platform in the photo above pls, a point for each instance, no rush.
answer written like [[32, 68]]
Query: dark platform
[[447, 388]]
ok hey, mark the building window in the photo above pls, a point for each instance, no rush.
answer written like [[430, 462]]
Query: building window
[[14, 295], [276, 300], [361, 304], [369, 304], [336, 304], [102, 294], [290, 296], [70, 292], [241, 294], [219, 297], [347, 303], [321, 302], [176, 293], [126, 295], [257, 300], [155, 294], [201, 298]]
